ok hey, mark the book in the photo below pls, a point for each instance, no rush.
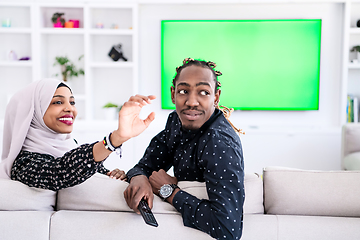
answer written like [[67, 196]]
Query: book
[[352, 109]]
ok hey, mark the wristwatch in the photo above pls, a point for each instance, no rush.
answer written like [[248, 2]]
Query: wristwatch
[[166, 190]]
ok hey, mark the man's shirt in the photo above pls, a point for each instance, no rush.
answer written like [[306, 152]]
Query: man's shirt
[[211, 154]]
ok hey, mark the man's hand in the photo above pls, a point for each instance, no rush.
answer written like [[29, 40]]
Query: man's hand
[[138, 188], [158, 179], [130, 124]]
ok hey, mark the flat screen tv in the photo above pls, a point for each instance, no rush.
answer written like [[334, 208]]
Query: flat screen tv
[[266, 64]]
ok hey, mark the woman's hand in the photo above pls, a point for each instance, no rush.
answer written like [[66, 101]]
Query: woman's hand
[[117, 174], [130, 124]]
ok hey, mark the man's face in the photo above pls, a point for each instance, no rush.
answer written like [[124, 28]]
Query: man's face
[[194, 96]]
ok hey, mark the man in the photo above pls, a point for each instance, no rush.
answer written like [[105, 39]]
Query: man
[[202, 146]]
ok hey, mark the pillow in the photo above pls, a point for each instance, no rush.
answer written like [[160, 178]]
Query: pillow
[[101, 193], [316, 193], [17, 196]]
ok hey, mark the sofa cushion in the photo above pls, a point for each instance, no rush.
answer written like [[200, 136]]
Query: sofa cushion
[[21, 225], [20, 197], [71, 225], [317, 228], [101, 193], [304, 192]]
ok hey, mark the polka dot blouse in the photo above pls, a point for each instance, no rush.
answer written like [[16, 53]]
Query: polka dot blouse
[[212, 154], [44, 171]]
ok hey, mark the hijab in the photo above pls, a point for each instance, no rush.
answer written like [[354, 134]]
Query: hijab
[[24, 127]]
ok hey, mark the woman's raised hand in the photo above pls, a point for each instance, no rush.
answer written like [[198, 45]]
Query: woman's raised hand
[[130, 124]]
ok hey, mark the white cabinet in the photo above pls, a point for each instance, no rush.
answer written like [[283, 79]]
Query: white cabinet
[[351, 69], [15, 41], [32, 34]]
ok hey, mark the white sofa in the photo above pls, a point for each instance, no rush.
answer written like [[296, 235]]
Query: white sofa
[[286, 204], [350, 146]]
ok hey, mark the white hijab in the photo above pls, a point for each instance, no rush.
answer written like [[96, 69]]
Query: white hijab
[[24, 127]]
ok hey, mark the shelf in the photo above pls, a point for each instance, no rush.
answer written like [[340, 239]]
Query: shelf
[[32, 34], [16, 64], [103, 31], [62, 31], [354, 30], [354, 65], [111, 64], [14, 30]]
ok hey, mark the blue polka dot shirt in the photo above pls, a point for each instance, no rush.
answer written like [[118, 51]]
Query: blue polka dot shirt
[[211, 154]]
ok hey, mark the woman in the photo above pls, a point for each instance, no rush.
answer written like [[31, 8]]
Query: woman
[[38, 149]]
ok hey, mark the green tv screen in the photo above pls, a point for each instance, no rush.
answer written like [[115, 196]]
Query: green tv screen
[[266, 64]]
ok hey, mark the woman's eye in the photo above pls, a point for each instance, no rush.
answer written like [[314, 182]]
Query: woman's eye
[[182, 91], [57, 102], [72, 103], [204, 93]]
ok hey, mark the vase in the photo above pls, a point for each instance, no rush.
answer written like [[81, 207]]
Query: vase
[[110, 114], [58, 25], [69, 24]]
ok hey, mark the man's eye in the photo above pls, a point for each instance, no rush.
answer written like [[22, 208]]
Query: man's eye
[[182, 91], [204, 93]]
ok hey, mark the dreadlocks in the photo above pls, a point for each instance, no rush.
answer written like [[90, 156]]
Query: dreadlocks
[[210, 65], [192, 62]]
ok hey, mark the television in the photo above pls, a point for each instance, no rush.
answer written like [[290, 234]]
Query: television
[[271, 64]]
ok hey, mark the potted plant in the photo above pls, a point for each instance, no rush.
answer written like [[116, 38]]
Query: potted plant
[[68, 69], [57, 20], [357, 50], [111, 110]]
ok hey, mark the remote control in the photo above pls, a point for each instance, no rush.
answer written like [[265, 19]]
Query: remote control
[[147, 214]]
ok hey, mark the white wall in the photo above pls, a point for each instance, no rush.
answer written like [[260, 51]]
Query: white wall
[[308, 139]]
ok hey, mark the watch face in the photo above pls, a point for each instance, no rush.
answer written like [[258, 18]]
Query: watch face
[[166, 191]]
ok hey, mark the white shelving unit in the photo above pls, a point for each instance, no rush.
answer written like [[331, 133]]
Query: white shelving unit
[[351, 70], [32, 34]]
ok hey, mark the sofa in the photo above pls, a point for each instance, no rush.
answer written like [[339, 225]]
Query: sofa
[[350, 146], [280, 204]]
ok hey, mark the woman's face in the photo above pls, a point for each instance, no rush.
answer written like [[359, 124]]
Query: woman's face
[[61, 112]]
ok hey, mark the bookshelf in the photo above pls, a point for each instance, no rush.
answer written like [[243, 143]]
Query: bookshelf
[[32, 34]]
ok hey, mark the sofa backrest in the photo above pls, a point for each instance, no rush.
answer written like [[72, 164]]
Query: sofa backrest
[[305, 192], [100, 193], [16, 196]]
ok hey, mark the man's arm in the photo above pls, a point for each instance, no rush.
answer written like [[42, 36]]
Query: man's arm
[[156, 157], [221, 215]]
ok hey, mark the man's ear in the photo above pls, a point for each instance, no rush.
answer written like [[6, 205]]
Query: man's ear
[[217, 96], [172, 89]]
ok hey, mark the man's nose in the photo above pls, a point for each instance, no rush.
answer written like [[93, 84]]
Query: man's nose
[[192, 100]]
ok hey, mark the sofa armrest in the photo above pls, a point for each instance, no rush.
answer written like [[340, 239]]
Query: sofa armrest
[[350, 140]]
